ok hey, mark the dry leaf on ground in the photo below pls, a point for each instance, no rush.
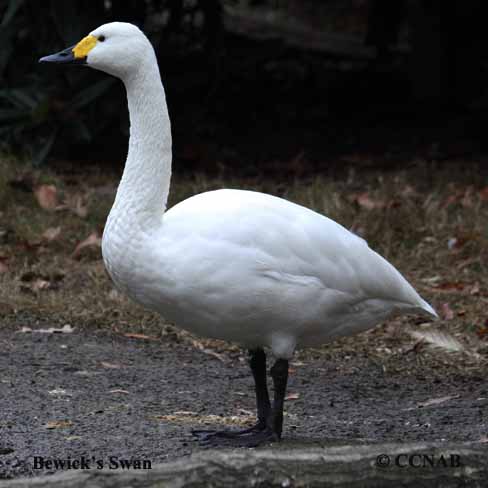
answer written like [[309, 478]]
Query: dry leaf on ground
[[76, 204], [40, 284], [108, 365], [58, 424], [292, 396], [46, 196], [446, 312], [449, 287], [92, 240], [51, 234], [436, 401], [140, 336], [59, 392], [198, 345], [364, 200]]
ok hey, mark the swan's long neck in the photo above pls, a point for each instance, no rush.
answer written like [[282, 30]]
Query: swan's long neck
[[143, 190]]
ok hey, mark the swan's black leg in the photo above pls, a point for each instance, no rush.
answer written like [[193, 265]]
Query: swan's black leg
[[279, 373], [257, 363], [273, 425]]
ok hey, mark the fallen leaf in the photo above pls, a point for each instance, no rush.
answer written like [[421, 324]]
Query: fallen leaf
[[108, 365], [92, 240], [432, 279], [140, 336], [77, 205], [246, 412], [59, 392], [292, 396], [446, 312], [475, 289], [47, 196], [436, 401], [484, 194], [433, 401], [467, 199], [198, 345], [29, 246], [365, 201], [482, 330], [462, 196], [51, 234], [468, 262], [449, 287], [80, 208], [40, 284], [58, 424], [408, 191], [86, 373]]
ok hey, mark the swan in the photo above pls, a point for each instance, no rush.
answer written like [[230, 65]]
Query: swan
[[230, 264]]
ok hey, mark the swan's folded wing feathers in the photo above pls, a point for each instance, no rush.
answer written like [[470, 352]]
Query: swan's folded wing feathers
[[283, 239]]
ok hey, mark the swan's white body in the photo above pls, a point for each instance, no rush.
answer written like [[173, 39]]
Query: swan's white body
[[229, 264], [256, 269]]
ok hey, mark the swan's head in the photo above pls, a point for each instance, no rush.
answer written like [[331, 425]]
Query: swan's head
[[117, 48]]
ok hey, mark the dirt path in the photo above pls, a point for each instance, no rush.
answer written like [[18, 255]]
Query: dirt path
[[107, 395]]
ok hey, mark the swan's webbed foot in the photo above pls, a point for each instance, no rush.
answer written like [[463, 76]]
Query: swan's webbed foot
[[246, 438], [204, 435]]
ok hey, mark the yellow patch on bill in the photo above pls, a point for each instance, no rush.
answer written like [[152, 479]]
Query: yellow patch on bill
[[82, 49]]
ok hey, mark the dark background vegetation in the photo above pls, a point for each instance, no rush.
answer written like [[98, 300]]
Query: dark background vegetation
[[301, 83]]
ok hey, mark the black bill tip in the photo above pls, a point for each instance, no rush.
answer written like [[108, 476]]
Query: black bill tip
[[66, 56]]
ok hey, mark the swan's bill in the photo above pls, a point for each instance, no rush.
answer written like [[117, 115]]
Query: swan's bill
[[76, 54]]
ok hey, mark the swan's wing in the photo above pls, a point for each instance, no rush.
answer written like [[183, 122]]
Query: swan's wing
[[290, 244]]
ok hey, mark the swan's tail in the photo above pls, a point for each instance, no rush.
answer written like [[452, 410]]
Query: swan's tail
[[424, 308]]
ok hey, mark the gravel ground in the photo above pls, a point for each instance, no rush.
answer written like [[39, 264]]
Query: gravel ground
[[96, 394]]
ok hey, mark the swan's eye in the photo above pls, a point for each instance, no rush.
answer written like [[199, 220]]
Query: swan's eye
[[101, 38]]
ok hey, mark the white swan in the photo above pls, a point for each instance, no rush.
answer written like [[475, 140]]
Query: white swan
[[230, 264]]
